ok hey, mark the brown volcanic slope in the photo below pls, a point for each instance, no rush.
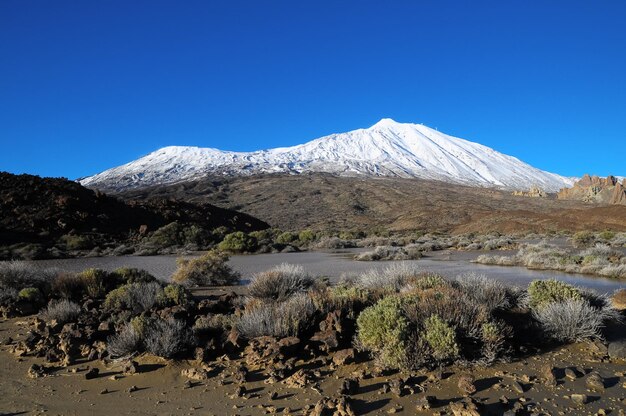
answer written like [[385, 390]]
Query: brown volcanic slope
[[34, 209], [322, 201]]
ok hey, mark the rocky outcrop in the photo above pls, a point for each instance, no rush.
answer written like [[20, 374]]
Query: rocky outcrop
[[533, 192], [598, 190]]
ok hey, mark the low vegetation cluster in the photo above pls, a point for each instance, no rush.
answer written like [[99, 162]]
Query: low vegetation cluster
[[601, 259], [401, 318]]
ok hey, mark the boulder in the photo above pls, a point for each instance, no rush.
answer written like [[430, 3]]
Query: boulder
[[343, 357], [617, 349], [198, 374]]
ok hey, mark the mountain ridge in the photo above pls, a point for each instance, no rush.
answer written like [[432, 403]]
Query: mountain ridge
[[387, 148]]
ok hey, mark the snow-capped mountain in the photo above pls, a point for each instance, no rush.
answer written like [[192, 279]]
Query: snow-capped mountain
[[388, 148]]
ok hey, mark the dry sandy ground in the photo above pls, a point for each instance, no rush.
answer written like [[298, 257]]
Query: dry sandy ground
[[160, 388]]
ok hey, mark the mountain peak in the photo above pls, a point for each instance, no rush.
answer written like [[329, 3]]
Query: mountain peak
[[388, 148], [386, 122]]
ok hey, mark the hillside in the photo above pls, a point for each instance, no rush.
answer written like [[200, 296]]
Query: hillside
[[43, 210], [323, 201], [386, 149]]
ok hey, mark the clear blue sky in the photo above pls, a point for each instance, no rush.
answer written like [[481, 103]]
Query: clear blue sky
[[88, 85]]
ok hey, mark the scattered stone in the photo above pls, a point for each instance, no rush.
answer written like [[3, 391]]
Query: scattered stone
[[397, 386], [198, 374], [617, 350], [395, 409], [343, 357], [187, 384], [466, 384], [595, 382], [548, 373], [516, 386], [579, 399], [36, 371], [273, 395], [92, 373], [105, 391], [299, 379], [130, 368], [425, 403], [349, 386], [240, 391], [571, 373], [132, 389], [466, 407]]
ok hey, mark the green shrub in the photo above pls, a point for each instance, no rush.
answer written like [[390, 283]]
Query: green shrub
[[176, 294], [350, 298], [209, 270], [167, 236], [238, 242], [493, 336], [583, 239], [441, 338], [286, 238], [306, 236], [77, 242], [544, 292], [606, 235], [383, 329], [132, 275], [94, 282], [31, 294]]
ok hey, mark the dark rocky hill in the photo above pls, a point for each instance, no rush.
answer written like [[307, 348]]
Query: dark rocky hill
[[35, 210]]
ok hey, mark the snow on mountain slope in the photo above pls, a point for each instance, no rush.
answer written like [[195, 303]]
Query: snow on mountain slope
[[388, 148]]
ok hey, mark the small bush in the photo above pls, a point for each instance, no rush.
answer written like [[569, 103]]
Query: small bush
[[280, 282], [238, 242], [176, 294], [306, 236], [383, 329], [350, 298], [209, 270], [8, 295], [493, 337], [94, 282], [441, 338], [167, 337], [287, 238], [132, 275], [291, 317], [62, 311], [544, 292], [125, 342], [77, 242], [134, 297], [19, 275], [390, 253], [68, 286], [489, 292], [583, 239], [571, 320], [392, 278], [31, 294]]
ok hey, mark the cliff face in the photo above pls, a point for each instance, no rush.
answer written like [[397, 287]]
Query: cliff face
[[595, 189], [534, 192]]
